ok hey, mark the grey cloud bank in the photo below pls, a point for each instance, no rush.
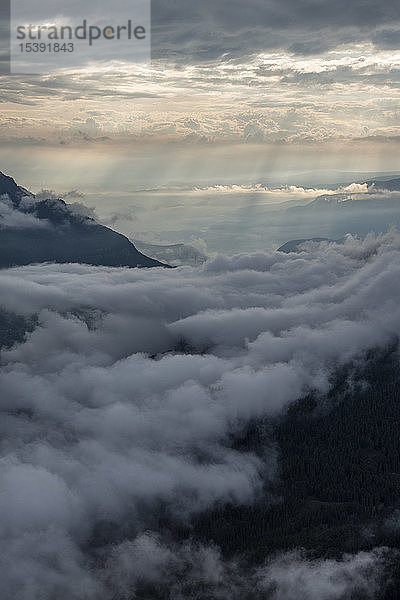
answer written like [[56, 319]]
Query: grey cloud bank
[[212, 29], [122, 404]]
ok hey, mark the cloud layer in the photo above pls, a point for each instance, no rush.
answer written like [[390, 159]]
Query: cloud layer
[[122, 404]]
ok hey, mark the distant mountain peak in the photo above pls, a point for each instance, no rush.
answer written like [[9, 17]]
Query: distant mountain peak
[[297, 245], [14, 192]]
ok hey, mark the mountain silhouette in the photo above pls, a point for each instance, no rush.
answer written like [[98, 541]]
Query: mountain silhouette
[[49, 230]]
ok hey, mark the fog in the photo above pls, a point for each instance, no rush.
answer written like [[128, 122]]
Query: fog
[[122, 403]]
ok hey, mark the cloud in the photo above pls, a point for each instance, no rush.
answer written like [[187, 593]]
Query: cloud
[[51, 194], [191, 570], [271, 96], [205, 32], [12, 218], [123, 402], [291, 576], [114, 217], [76, 208], [280, 194]]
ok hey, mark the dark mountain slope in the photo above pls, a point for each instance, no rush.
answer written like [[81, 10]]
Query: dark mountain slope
[[60, 235], [14, 191], [339, 466]]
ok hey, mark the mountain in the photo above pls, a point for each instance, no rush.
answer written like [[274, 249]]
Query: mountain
[[174, 254], [295, 245], [49, 230], [14, 191], [356, 209], [349, 201], [339, 476], [392, 185]]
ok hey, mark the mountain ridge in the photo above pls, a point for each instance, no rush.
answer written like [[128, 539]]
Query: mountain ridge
[[49, 230]]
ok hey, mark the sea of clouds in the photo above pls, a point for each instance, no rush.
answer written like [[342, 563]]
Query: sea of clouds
[[122, 404]]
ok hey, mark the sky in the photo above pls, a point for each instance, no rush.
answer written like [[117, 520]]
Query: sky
[[237, 93]]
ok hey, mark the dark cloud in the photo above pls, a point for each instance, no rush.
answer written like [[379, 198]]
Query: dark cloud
[[388, 39], [200, 32]]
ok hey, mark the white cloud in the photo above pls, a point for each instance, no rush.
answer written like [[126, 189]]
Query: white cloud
[[292, 576], [10, 217], [102, 425]]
